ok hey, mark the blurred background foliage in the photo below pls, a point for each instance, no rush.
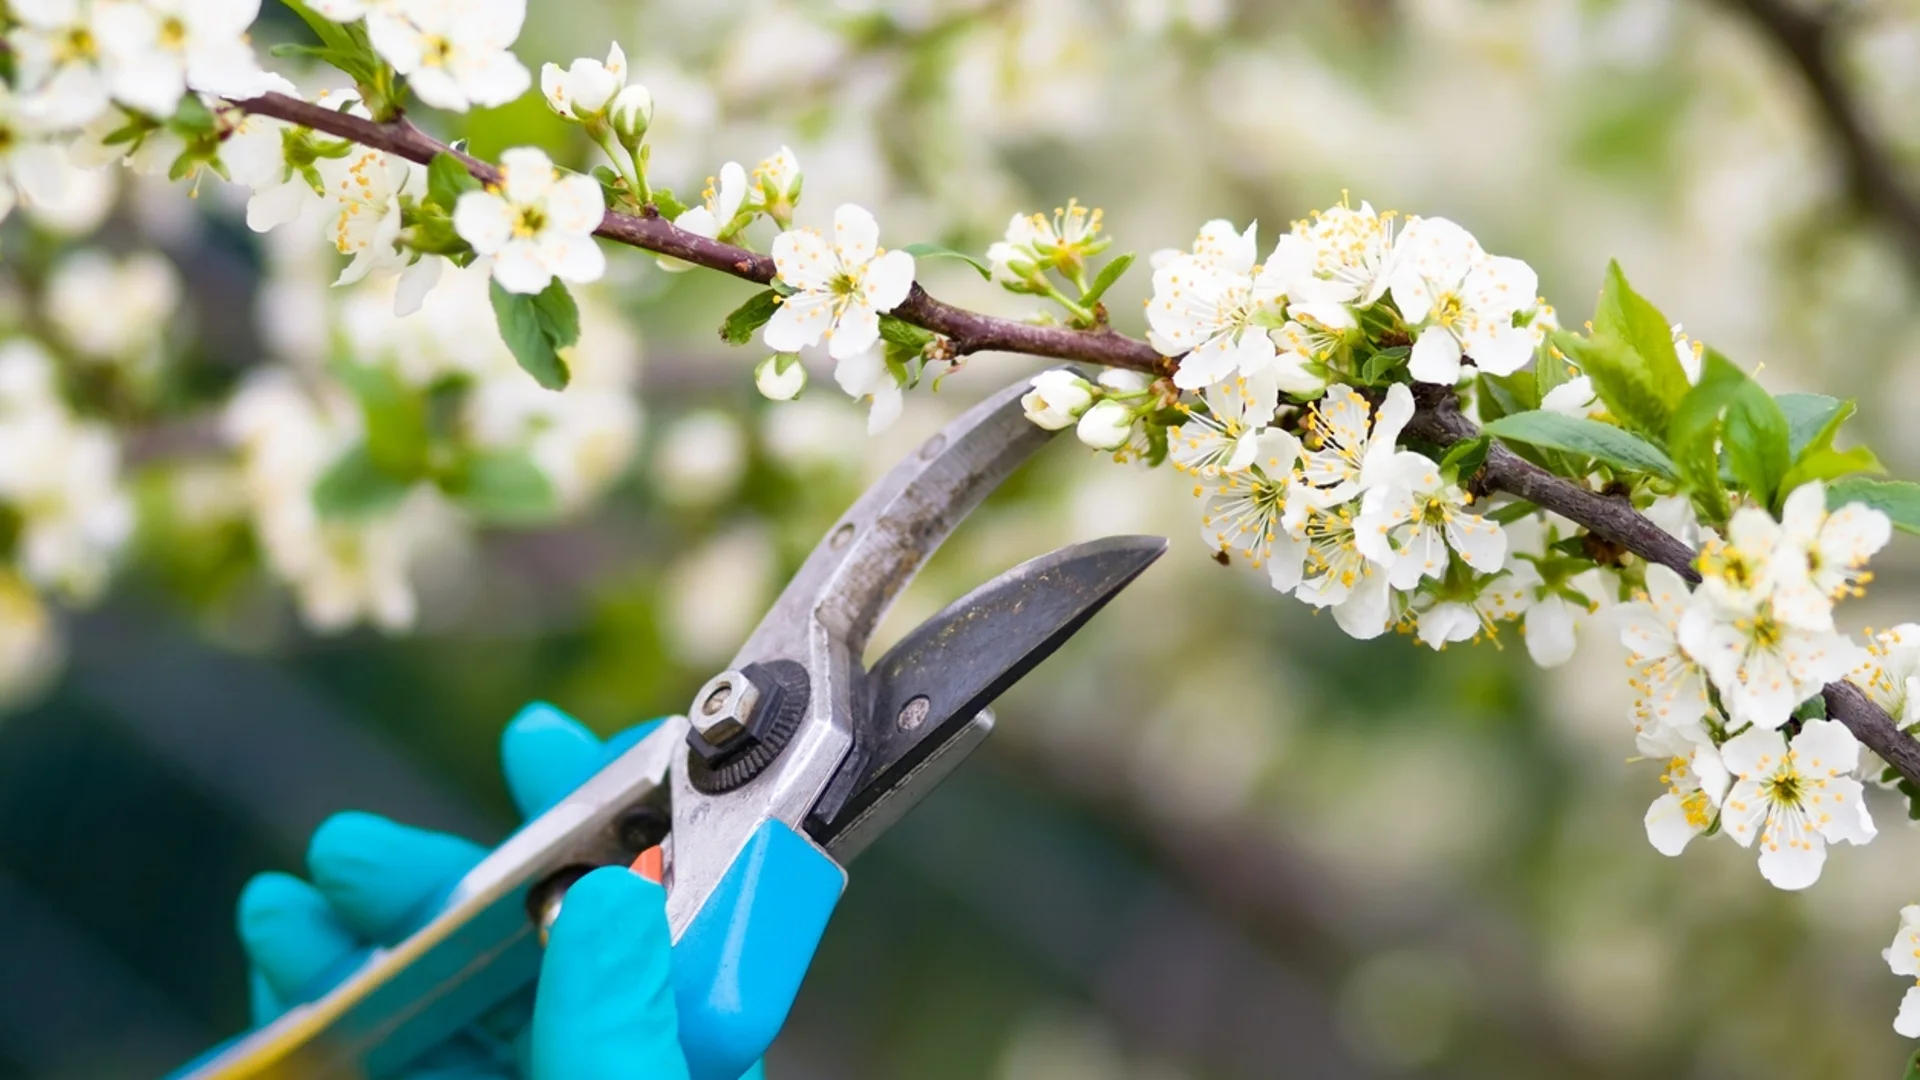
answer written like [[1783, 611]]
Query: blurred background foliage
[[1212, 838]]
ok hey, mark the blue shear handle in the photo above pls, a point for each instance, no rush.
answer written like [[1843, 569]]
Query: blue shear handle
[[739, 964]]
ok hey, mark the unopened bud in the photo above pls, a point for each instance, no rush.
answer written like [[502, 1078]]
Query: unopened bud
[[631, 115], [781, 376], [1122, 381], [1057, 399], [1106, 426]]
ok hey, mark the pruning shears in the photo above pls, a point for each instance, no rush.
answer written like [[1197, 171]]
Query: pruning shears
[[787, 765]]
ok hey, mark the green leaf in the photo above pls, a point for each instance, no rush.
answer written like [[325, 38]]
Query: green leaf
[[1629, 317], [1465, 457], [1380, 364], [1809, 416], [1549, 371], [1622, 379], [1755, 431], [536, 328], [1579, 435], [749, 317], [903, 333], [1513, 512], [355, 487], [935, 251], [1826, 463], [1913, 1063], [396, 418], [447, 180], [667, 203], [505, 486], [1898, 499], [1109, 274]]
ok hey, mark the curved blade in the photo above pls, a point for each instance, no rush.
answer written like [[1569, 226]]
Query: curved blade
[[928, 690]]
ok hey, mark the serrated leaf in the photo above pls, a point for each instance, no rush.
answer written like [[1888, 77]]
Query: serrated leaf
[[447, 180], [1898, 499], [505, 486], [536, 328], [1631, 318], [936, 251], [1621, 379], [1103, 281], [667, 203], [1591, 438], [903, 333], [354, 487], [1809, 416], [745, 320]]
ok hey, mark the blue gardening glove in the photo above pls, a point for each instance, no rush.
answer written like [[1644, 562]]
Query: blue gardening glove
[[604, 1005]]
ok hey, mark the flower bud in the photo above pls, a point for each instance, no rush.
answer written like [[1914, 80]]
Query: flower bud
[[776, 183], [781, 376], [1106, 426], [1057, 399], [631, 114], [1122, 381], [585, 89]]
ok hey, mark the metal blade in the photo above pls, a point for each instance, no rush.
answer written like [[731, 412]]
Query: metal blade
[[873, 551], [927, 692]]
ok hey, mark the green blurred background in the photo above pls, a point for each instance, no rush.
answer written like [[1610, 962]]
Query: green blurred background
[[1212, 838]]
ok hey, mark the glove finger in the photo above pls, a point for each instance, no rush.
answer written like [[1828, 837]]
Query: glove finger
[[605, 1009], [296, 942], [262, 1003], [385, 879], [545, 754]]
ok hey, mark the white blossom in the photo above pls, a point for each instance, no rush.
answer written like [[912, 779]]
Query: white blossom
[[776, 183], [1575, 397], [1226, 437], [455, 54], [1834, 547], [866, 377], [1903, 957], [1493, 601], [1058, 399], [1890, 674], [631, 114], [1216, 307], [254, 154], [58, 66], [1336, 574], [586, 88], [1762, 665], [1349, 442], [840, 290], [1460, 301], [31, 164], [721, 203], [1244, 512], [538, 224], [363, 189], [1335, 261], [159, 49], [1696, 781], [1670, 683], [1412, 516], [1794, 798], [1757, 569]]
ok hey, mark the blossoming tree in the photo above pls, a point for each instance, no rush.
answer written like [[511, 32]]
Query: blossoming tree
[[1375, 415]]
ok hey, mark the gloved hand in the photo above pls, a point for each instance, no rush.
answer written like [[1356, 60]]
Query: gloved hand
[[604, 1004]]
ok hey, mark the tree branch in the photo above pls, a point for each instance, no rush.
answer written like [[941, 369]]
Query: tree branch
[[1806, 39], [970, 332], [1437, 419]]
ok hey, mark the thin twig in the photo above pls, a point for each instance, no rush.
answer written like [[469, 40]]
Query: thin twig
[[1438, 418], [1807, 39]]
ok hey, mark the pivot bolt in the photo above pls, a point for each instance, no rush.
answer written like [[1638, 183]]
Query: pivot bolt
[[723, 710]]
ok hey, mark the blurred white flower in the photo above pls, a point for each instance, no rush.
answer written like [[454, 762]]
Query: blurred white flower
[[58, 65], [1794, 798], [714, 594], [455, 54], [840, 290], [700, 458], [780, 377], [1834, 547], [776, 182], [365, 188], [538, 226], [31, 165], [77, 203], [158, 49], [29, 640], [1575, 397], [114, 311]]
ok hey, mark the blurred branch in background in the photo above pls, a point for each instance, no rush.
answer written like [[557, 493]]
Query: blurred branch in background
[[1807, 35]]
